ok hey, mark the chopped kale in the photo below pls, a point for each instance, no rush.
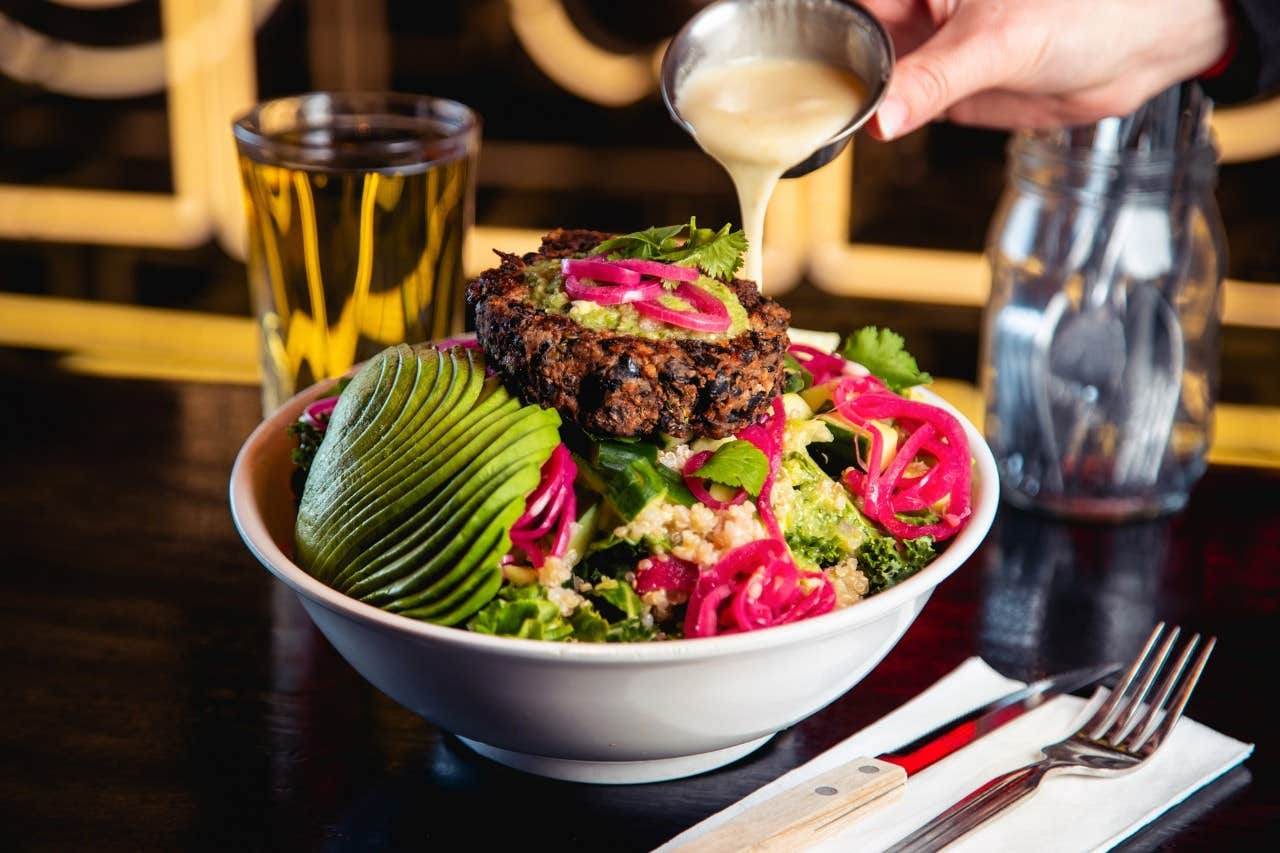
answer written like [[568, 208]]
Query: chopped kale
[[614, 559], [886, 562]]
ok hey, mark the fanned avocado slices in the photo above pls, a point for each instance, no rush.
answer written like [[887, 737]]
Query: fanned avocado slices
[[423, 469]]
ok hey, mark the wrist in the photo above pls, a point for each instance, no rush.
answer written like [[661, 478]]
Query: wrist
[[1232, 46]]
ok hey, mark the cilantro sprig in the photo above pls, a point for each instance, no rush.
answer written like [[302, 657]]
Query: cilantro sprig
[[884, 353], [719, 254]]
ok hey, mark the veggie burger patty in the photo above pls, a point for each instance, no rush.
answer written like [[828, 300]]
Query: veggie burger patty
[[683, 385]]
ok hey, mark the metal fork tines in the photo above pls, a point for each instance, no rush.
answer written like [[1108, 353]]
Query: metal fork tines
[[1121, 734]]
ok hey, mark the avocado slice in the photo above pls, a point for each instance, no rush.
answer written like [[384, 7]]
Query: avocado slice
[[456, 586], [436, 378], [449, 452], [365, 497], [450, 564], [432, 493], [388, 387], [457, 503], [423, 469]]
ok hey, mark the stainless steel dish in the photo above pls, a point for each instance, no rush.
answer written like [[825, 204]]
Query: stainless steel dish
[[838, 32]]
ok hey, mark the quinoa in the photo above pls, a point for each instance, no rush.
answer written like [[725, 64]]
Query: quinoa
[[695, 533], [660, 603], [566, 599], [675, 457], [554, 573], [850, 583]]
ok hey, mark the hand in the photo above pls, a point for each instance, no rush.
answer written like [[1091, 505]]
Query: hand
[[1039, 63]]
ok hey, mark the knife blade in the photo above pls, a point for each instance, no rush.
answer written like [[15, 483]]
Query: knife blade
[[806, 812]]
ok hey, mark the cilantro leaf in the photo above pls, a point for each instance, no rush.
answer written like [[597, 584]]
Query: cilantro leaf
[[882, 352], [738, 463], [649, 245], [719, 254]]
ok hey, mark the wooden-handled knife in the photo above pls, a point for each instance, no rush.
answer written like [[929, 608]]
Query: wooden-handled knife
[[806, 813]]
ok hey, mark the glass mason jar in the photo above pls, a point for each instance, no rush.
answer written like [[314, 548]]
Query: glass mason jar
[[1100, 336]]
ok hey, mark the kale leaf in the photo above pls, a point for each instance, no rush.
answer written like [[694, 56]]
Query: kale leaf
[[886, 561]]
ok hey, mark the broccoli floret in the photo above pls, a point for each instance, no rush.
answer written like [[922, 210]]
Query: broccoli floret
[[821, 525], [816, 550], [886, 561]]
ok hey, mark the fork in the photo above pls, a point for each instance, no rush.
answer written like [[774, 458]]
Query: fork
[[1122, 734]]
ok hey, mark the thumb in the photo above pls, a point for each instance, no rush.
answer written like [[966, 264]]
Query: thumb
[[959, 60]]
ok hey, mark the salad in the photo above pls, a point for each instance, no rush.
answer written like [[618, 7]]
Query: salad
[[430, 486]]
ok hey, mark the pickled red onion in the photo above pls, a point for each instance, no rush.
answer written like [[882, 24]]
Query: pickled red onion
[[552, 504], [824, 366], [313, 413], [707, 315], [668, 573], [767, 437], [612, 294], [700, 491], [756, 585], [464, 342], [934, 431], [670, 272], [599, 270]]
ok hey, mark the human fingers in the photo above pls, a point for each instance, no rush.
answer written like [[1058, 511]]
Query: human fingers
[[971, 52], [908, 22], [1007, 109]]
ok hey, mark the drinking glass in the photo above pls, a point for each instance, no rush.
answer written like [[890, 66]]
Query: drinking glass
[[358, 207]]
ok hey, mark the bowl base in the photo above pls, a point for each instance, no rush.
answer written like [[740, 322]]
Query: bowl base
[[616, 772]]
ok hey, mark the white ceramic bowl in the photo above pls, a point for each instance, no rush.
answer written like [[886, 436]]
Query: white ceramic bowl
[[615, 713]]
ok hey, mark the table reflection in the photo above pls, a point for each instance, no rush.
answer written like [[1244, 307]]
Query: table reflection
[[1090, 593]]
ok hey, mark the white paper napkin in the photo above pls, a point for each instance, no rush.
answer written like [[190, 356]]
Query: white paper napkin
[[1068, 813]]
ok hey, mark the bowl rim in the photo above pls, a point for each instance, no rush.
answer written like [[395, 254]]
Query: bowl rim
[[252, 528]]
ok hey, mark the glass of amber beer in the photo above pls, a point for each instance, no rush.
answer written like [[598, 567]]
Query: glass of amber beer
[[358, 206]]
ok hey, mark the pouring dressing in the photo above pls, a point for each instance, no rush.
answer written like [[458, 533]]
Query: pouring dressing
[[760, 117], [774, 89]]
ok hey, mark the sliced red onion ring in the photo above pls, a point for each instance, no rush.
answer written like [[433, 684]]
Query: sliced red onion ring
[[934, 431], [708, 315], [598, 270], [756, 585], [698, 488], [670, 272], [612, 294], [552, 505], [317, 414], [823, 365]]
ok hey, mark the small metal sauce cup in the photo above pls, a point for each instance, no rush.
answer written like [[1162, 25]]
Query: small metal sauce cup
[[837, 32]]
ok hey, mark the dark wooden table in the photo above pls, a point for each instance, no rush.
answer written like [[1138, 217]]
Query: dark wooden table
[[161, 691]]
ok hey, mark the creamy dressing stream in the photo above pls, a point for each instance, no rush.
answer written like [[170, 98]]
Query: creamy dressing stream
[[760, 117]]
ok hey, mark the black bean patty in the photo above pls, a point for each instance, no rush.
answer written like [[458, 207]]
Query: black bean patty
[[625, 385]]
